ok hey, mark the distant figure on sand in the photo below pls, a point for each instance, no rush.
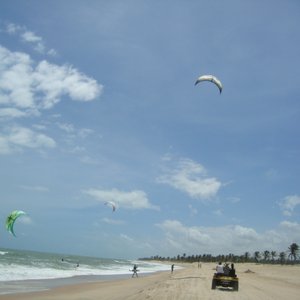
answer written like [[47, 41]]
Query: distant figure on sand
[[135, 270], [172, 268], [219, 268]]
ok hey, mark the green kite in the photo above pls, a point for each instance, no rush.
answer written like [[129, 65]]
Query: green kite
[[11, 219]]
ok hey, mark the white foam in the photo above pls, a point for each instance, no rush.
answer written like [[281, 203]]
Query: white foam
[[11, 272]]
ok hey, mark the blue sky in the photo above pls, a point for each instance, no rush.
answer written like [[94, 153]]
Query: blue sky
[[98, 103]]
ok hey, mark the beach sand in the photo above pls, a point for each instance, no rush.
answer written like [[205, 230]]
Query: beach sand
[[256, 281]]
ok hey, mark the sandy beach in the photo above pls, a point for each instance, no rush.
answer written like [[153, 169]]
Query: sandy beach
[[255, 282]]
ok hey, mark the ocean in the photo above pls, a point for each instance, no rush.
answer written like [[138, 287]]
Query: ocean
[[24, 271]]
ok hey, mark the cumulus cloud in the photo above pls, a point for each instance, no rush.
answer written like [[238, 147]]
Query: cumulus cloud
[[18, 137], [27, 88], [191, 177], [130, 200], [289, 203], [11, 113], [179, 238]]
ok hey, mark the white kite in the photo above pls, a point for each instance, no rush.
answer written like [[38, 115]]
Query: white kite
[[212, 79], [112, 204]]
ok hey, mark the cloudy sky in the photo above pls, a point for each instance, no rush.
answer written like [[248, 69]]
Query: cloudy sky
[[98, 104]]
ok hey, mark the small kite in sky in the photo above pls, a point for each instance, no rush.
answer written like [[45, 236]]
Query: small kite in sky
[[112, 204], [212, 79]]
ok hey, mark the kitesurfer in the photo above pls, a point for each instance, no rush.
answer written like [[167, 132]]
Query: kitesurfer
[[135, 270]]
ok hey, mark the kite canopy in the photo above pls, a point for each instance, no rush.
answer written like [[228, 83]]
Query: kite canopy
[[112, 204], [212, 79], [11, 219]]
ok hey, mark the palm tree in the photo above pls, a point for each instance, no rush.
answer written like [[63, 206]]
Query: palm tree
[[266, 255], [246, 256], [273, 255], [282, 256], [256, 256], [293, 248]]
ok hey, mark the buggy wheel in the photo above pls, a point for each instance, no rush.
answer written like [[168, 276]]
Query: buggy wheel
[[213, 284], [236, 286]]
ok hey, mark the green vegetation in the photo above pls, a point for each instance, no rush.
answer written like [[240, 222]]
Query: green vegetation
[[291, 256]]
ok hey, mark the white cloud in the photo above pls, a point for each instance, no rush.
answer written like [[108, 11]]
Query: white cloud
[[12, 28], [113, 221], [19, 137], [31, 88], [12, 113], [4, 146], [52, 52], [236, 239], [84, 132], [35, 188], [272, 174], [218, 212], [54, 81], [130, 200], [291, 225], [193, 211], [289, 203], [69, 128], [126, 238], [191, 178], [29, 37], [89, 160]]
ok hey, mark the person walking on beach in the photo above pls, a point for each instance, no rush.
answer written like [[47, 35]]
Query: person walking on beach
[[135, 270], [172, 268]]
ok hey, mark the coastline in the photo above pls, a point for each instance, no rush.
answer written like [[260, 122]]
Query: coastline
[[259, 282], [36, 285]]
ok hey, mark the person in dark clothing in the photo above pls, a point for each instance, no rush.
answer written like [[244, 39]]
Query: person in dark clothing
[[226, 269], [135, 270], [232, 271], [172, 268]]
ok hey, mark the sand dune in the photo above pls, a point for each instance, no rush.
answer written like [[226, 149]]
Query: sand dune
[[259, 282]]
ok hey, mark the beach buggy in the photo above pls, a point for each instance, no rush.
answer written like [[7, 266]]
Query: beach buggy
[[226, 279]]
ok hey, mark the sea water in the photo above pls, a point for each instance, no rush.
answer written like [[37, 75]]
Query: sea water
[[28, 271]]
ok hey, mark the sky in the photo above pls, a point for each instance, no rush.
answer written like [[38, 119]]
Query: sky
[[98, 103]]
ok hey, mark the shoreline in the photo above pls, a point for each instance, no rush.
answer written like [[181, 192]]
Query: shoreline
[[13, 287], [260, 282], [36, 285]]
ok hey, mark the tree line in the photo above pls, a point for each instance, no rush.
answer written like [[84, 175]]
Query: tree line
[[291, 256]]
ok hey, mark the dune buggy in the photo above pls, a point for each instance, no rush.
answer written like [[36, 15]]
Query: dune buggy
[[225, 281]]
